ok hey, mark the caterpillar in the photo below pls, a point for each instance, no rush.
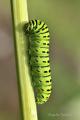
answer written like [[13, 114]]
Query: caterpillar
[[38, 34]]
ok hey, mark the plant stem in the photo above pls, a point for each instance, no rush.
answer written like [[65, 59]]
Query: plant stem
[[26, 94]]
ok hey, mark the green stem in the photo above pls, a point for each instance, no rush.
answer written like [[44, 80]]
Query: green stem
[[26, 94]]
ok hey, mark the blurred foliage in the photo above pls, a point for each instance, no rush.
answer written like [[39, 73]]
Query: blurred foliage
[[62, 17], [6, 116]]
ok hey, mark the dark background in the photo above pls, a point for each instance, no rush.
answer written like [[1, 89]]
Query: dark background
[[63, 19]]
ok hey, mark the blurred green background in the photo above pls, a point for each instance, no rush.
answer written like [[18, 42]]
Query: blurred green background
[[63, 19]]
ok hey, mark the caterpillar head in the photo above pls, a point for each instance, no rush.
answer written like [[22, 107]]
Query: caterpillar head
[[27, 28]]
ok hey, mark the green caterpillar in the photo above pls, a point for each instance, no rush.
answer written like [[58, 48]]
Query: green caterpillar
[[38, 34]]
